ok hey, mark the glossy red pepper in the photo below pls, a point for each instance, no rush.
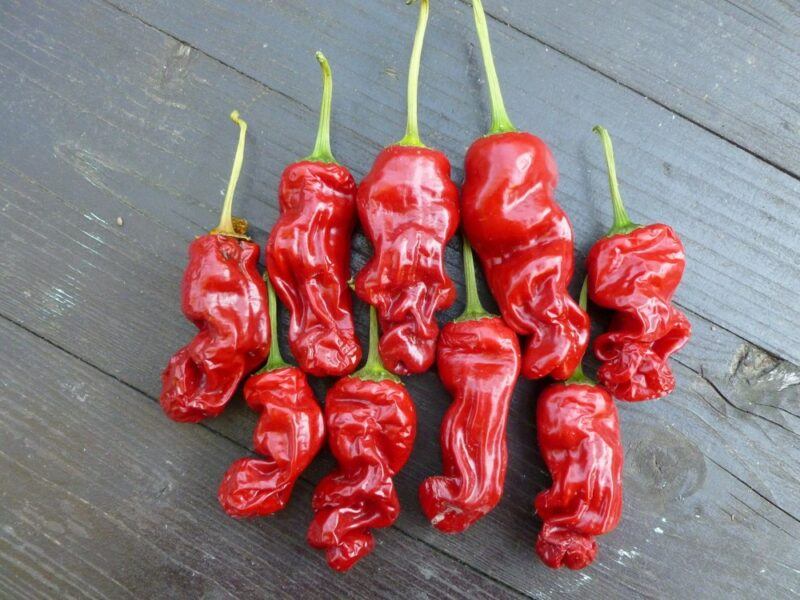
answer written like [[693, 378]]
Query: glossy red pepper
[[479, 362], [579, 438], [408, 207], [289, 433], [578, 431], [635, 271], [308, 254], [371, 422], [223, 294], [522, 236]]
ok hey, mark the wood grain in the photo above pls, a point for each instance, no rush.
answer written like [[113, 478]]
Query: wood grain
[[731, 66], [110, 117]]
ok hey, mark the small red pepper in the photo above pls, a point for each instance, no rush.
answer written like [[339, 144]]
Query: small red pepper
[[289, 433], [223, 294], [479, 362], [522, 236], [635, 271], [308, 254], [371, 422], [579, 438], [408, 207]]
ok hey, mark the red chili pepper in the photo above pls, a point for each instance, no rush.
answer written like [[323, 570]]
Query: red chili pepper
[[579, 438], [289, 433], [634, 271], [479, 362], [522, 236], [371, 422], [308, 254], [224, 296], [408, 207]]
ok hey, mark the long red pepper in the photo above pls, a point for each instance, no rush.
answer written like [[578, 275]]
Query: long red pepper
[[635, 271], [479, 362], [408, 207], [223, 294], [308, 254], [579, 438], [289, 433], [371, 422], [521, 235]]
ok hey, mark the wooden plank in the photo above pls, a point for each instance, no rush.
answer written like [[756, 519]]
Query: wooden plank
[[110, 500], [109, 295], [732, 66], [725, 203]]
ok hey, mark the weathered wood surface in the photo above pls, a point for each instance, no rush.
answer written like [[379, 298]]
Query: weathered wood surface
[[730, 66], [105, 115]]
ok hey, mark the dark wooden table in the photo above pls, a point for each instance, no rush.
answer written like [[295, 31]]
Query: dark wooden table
[[114, 153]]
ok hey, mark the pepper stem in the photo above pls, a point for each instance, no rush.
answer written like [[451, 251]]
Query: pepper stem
[[500, 121], [578, 376], [374, 370], [274, 360], [411, 137], [474, 309], [322, 148], [622, 222], [228, 224]]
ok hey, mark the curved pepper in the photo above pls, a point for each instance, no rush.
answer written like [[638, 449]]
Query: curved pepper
[[289, 433], [635, 271], [408, 207], [479, 362], [579, 438], [578, 431], [308, 254], [522, 236], [371, 422], [224, 296]]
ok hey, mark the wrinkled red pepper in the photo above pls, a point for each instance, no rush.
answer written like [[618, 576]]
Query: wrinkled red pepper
[[408, 207], [522, 236], [479, 362], [308, 254], [635, 271], [289, 433], [578, 431], [371, 423], [223, 294]]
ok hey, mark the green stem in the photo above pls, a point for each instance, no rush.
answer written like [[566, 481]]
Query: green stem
[[474, 309], [411, 137], [226, 221], [622, 222], [578, 376], [374, 370], [322, 148], [500, 121], [274, 360]]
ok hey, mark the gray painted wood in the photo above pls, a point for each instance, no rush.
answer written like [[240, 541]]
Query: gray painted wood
[[732, 66], [111, 500], [739, 218], [152, 144]]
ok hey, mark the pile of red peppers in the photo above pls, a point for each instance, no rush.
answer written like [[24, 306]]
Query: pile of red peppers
[[409, 208]]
